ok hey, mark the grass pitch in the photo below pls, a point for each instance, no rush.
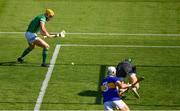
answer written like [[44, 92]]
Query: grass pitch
[[75, 87]]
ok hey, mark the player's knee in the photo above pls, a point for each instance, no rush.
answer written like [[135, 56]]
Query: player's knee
[[125, 108], [137, 85], [47, 46]]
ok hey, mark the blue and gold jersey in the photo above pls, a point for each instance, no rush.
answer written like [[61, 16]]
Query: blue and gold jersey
[[109, 90]]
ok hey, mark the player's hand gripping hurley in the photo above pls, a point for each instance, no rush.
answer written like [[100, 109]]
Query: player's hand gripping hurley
[[61, 34], [139, 80]]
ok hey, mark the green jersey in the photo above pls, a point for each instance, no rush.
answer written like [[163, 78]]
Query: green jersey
[[34, 26]]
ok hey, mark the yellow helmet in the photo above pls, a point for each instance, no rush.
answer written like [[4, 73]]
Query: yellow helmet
[[49, 12]]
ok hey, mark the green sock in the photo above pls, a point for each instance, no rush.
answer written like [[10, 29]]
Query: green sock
[[44, 54], [26, 51]]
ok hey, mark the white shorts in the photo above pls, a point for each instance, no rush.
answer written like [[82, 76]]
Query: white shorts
[[31, 37], [110, 105]]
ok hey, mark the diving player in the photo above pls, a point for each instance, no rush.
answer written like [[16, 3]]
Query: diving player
[[127, 69], [36, 25], [110, 92]]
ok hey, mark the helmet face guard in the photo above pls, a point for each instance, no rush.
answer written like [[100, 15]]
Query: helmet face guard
[[111, 71], [48, 18], [49, 14]]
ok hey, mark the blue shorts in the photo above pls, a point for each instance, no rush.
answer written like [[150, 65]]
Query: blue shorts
[[31, 37]]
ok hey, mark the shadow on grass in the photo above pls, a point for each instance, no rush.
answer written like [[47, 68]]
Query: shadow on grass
[[89, 93], [15, 63], [11, 63], [97, 93]]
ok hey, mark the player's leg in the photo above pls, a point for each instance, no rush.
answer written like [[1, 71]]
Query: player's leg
[[122, 91], [41, 43], [121, 106], [26, 52], [108, 106], [31, 37], [132, 79]]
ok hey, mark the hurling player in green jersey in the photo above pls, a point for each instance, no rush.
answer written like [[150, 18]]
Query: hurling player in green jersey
[[35, 26]]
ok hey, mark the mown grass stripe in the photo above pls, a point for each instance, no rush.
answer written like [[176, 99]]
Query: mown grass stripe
[[126, 46], [107, 34]]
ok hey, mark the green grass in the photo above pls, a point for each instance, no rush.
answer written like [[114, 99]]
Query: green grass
[[76, 86]]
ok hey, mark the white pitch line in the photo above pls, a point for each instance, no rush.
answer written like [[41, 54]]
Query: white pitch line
[[126, 46], [47, 78], [122, 34], [106, 34]]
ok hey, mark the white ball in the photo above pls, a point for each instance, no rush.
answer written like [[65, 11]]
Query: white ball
[[72, 63]]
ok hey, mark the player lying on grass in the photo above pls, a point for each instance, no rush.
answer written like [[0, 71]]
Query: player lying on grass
[[36, 25], [127, 69], [110, 92]]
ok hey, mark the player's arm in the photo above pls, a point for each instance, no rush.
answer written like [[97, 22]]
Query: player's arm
[[44, 31], [122, 85], [132, 79]]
